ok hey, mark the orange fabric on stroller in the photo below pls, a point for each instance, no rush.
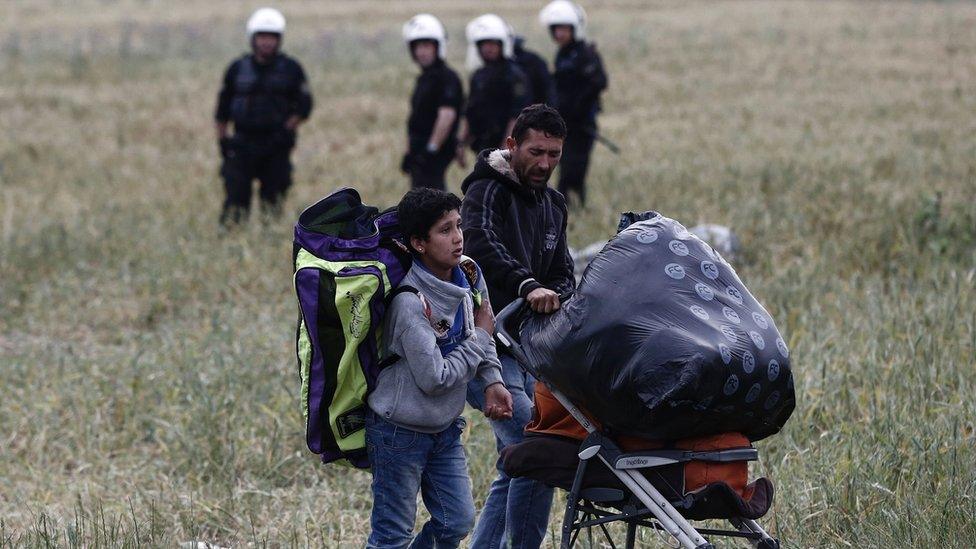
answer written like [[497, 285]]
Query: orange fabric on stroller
[[550, 418]]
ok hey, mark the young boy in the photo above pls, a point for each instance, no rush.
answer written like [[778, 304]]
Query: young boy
[[442, 334]]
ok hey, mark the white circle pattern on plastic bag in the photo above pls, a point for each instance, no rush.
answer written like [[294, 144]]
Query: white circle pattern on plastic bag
[[730, 314], [675, 271], [678, 248], [760, 320], [748, 362], [647, 236], [726, 353]]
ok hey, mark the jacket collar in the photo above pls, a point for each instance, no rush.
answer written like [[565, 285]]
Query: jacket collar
[[444, 296], [441, 298], [500, 160], [496, 164]]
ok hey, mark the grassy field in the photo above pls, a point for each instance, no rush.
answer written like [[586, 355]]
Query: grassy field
[[149, 386]]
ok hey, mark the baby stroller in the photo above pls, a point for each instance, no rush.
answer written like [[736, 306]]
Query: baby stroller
[[640, 488]]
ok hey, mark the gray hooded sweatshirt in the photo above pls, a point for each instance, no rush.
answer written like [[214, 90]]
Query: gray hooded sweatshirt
[[424, 391]]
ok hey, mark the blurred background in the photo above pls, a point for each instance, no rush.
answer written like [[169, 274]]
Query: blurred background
[[150, 392]]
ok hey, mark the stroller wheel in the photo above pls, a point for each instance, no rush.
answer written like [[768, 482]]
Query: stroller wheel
[[768, 544]]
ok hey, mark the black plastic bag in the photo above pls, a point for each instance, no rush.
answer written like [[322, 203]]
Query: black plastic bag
[[663, 341]]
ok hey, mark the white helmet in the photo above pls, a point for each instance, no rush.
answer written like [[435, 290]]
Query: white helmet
[[425, 26], [487, 27], [564, 12], [265, 20]]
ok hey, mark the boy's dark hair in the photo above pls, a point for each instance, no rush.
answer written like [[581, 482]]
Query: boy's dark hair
[[420, 208], [541, 118]]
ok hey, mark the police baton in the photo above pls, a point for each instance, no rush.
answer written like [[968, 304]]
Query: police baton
[[607, 143]]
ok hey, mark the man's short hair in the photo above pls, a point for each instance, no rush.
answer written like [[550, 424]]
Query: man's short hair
[[541, 118], [420, 208]]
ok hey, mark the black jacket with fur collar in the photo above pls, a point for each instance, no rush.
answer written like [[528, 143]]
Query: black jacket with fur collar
[[516, 234]]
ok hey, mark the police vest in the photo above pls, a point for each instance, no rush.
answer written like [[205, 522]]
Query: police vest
[[498, 93], [579, 78], [260, 100]]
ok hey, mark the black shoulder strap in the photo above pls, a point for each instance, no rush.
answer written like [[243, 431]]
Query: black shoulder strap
[[403, 288], [399, 290]]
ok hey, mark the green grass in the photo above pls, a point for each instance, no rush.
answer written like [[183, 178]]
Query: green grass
[[150, 391]]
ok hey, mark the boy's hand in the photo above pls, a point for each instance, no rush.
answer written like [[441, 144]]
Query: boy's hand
[[498, 402], [543, 300], [484, 317]]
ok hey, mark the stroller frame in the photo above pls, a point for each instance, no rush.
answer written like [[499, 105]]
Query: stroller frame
[[626, 468]]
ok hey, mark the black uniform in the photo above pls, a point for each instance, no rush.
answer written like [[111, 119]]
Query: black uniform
[[258, 99], [580, 79], [537, 72], [437, 86], [499, 92]]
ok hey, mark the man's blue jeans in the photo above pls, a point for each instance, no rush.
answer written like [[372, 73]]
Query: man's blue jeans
[[516, 511], [404, 462]]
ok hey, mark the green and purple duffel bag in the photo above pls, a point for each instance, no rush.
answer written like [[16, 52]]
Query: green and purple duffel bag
[[348, 258]]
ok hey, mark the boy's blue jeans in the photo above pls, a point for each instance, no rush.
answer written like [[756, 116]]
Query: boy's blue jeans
[[405, 462], [516, 512]]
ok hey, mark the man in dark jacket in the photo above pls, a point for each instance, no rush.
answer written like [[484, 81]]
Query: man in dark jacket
[[580, 79], [537, 71], [265, 96], [498, 91], [515, 228], [434, 107]]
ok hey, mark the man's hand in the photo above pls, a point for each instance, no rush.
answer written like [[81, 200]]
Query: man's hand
[[498, 402], [484, 317], [543, 300]]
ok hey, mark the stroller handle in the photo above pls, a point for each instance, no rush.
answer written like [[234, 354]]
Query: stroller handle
[[508, 319], [511, 315]]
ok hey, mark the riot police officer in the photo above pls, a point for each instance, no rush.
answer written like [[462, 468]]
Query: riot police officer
[[580, 79], [499, 90], [434, 107], [265, 95]]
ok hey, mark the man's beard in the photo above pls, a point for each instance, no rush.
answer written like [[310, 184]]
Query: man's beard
[[542, 184], [523, 176]]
